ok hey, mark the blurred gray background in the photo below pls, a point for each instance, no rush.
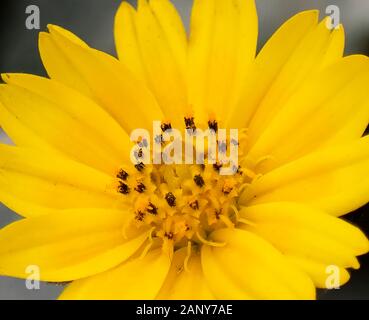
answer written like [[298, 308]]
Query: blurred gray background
[[92, 20]]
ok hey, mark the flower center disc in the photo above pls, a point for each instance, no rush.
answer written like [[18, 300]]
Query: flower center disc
[[183, 203]]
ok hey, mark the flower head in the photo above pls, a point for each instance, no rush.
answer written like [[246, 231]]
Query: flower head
[[136, 230]]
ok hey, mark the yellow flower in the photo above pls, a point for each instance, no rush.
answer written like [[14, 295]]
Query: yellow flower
[[119, 231]]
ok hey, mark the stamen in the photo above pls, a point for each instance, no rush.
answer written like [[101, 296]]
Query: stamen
[[140, 166], [140, 216], [243, 186], [138, 154], [143, 143], [226, 221], [169, 235], [210, 243], [125, 227], [190, 124], [122, 175], [166, 126], [227, 187], [199, 180], [218, 213], [234, 142], [217, 166], [222, 146], [148, 247], [213, 125], [263, 159], [123, 188], [249, 173], [248, 222], [239, 171], [189, 251], [159, 139], [140, 188], [152, 209], [257, 177], [194, 205], [171, 199], [236, 212], [145, 251]]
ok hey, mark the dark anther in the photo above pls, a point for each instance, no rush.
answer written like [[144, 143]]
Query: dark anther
[[222, 146], [213, 125], [217, 214], [138, 154], [202, 166], [140, 166], [140, 216], [122, 175], [169, 235], [171, 199], [194, 205], [188, 227], [123, 188], [159, 139], [199, 180], [217, 166], [165, 126], [140, 188], [152, 209], [143, 143], [227, 190], [190, 124], [234, 142], [238, 170]]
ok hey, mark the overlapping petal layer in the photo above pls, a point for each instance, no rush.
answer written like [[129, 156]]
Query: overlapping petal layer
[[311, 238], [312, 118], [101, 77], [330, 179], [30, 181], [64, 120], [185, 279], [248, 267], [152, 43], [68, 246], [222, 47], [299, 49], [139, 278]]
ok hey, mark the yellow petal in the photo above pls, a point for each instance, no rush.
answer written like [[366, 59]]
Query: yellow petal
[[125, 33], [297, 50], [46, 180], [73, 245], [248, 266], [152, 44], [135, 279], [301, 231], [58, 66], [304, 62], [330, 179], [110, 83], [320, 272], [336, 47], [65, 120], [312, 117], [221, 49], [185, 283], [20, 134]]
